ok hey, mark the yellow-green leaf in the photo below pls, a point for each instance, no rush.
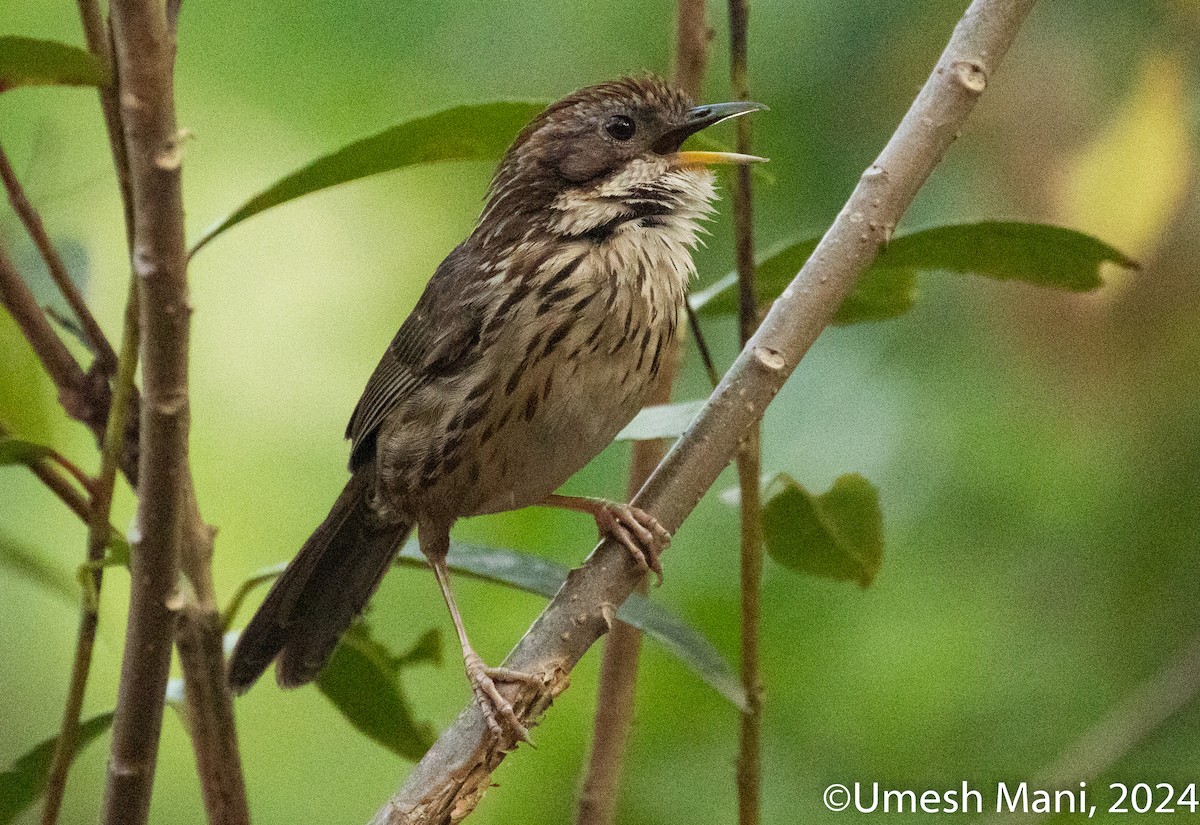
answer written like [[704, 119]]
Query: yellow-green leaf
[[25, 61], [479, 131]]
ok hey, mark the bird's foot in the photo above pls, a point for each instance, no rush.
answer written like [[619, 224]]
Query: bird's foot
[[636, 530], [495, 707]]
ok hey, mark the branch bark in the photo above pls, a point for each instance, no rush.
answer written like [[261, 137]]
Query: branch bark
[[145, 51], [449, 781]]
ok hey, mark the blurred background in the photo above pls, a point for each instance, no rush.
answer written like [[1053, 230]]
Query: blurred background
[[1036, 452]]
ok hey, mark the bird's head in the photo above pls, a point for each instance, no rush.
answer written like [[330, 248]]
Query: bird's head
[[606, 155]]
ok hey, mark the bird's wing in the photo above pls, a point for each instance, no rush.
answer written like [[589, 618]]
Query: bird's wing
[[438, 339]]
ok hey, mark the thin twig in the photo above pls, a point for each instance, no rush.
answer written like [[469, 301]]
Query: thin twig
[[617, 689], [449, 781], [706, 358], [145, 52], [32, 222], [691, 47], [99, 534], [99, 43], [616, 693], [1151, 704], [749, 459], [84, 396]]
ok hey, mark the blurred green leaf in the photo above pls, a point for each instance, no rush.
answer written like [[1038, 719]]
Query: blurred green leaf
[[25, 782], [362, 680], [28, 62], [16, 451], [427, 649], [474, 132], [838, 534], [537, 575], [661, 421], [544, 578], [1034, 253], [686, 643], [27, 562]]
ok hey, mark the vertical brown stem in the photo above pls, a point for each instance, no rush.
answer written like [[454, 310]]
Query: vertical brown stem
[[622, 648], [691, 46], [145, 52], [749, 460]]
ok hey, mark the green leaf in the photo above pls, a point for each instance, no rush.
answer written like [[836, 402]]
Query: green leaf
[[544, 578], [27, 562], [362, 681], [1034, 253], [474, 132], [537, 575], [16, 451], [28, 62], [661, 421], [25, 782], [838, 534]]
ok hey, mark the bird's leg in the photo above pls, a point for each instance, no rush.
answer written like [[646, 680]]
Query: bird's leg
[[435, 544], [638, 531]]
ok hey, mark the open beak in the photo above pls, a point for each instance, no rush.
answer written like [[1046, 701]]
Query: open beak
[[701, 117]]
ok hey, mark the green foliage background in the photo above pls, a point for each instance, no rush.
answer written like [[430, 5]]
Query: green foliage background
[[1036, 452]]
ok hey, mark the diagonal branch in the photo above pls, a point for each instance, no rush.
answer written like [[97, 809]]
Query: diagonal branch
[[447, 784]]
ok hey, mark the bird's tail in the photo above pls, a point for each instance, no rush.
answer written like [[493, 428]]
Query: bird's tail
[[319, 594]]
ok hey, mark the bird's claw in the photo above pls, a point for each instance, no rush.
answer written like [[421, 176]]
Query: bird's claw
[[637, 531], [493, 704]]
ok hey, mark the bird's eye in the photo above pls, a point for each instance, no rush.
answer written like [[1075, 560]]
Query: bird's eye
[[621, 127]]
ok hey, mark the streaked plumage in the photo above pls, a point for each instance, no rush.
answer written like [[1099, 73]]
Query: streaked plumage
[[534, 343]]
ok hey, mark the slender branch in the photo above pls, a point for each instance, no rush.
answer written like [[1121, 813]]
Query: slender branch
[[615, 696], [84, 396], [145, 52], [1172, 688], [448, 782], [617, 690], [702, 345], [749, 459], [99, 534], [99, 43], [32, 222], [209, 704], [691, 47]]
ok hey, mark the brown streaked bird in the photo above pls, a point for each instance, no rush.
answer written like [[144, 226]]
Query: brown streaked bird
[[534, 343]]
